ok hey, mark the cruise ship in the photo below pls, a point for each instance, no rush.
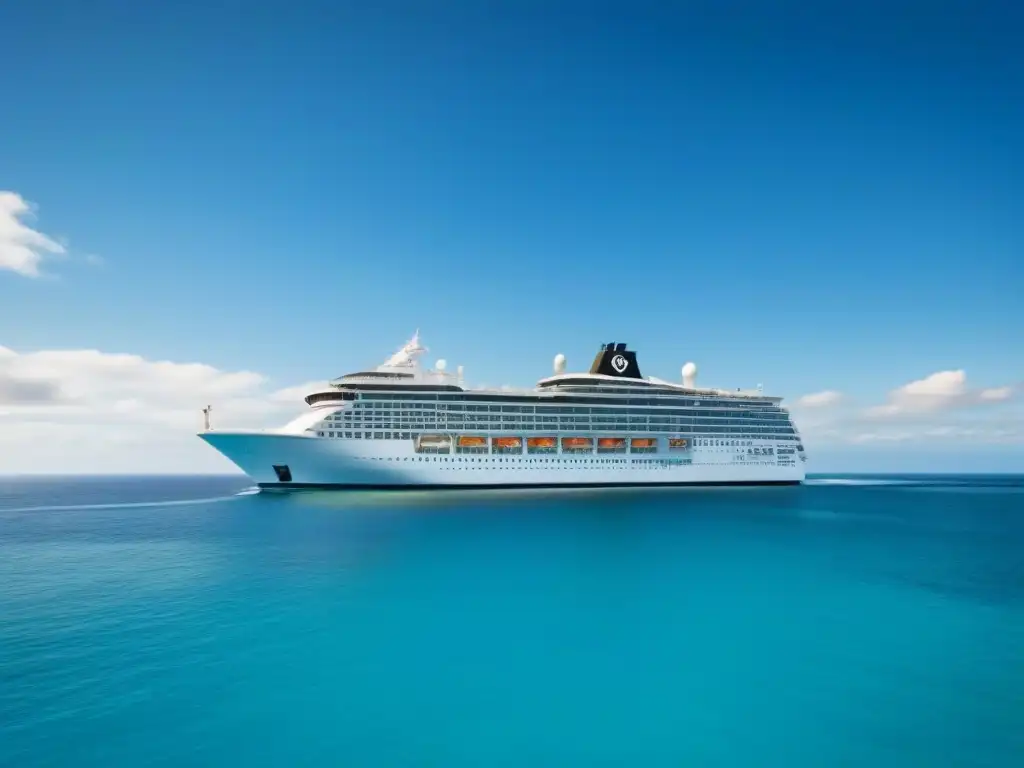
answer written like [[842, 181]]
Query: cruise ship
[[401, 425]]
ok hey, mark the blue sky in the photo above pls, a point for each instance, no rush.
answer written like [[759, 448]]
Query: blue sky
[[816, 198]]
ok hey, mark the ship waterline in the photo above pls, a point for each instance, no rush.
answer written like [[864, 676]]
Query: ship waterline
[[399, 426]]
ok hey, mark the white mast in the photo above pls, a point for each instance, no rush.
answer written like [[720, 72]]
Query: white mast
[[206, 417], [406, 356]]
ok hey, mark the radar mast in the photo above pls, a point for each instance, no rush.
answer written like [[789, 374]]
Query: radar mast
[[406, 357]]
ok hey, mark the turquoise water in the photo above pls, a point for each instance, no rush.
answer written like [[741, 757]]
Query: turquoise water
[[850, 622]]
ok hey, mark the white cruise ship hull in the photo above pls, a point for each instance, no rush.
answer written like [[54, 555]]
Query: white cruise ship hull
[[313, 462]]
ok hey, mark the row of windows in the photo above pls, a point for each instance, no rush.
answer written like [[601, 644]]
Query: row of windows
[[572, 418], [703, 442], [657, 392], [552, 418], [576, 423], [635, 426], [588, 463], [581, 429], [663, 400], [466, 463], [560, 410], [579, 414], [460, 426]]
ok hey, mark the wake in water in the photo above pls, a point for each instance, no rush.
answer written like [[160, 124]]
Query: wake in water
[[925, 481], [858, 481], [130, 504]]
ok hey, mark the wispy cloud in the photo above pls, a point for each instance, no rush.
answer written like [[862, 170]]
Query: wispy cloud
[[941, 406], [996, 395], [23, 249], [820, 399], [941, 391]]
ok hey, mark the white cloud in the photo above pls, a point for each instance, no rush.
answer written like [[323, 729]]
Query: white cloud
[[943, 384], [22, 249], [91, 411], [820, 399], [897, 436], [997, 394], [941, 391], [940, 407]]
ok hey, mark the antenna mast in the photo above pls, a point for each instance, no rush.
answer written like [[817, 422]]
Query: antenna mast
[[206, 417]]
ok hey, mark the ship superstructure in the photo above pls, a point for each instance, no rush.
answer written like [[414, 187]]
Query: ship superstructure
[[400, 425]]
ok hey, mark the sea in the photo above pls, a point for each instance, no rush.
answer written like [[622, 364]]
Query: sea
[[194, 621]]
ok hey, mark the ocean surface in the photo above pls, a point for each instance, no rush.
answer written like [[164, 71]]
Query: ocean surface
[[855, 621]]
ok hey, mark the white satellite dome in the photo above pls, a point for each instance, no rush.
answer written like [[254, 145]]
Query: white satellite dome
[[559, 363], [689, 374], [441, 365]]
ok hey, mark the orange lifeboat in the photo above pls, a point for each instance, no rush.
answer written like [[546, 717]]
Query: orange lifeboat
[[507, 442], [472, 441], [611, 442], [540, 442], [678, 443], [643, 442]]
